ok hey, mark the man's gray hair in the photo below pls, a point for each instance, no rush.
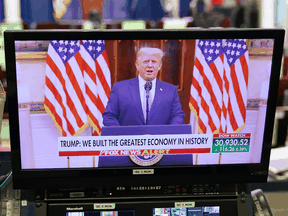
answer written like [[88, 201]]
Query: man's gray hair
[[150, 50]]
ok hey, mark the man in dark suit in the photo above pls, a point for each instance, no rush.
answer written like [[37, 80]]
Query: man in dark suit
[[127, 104]]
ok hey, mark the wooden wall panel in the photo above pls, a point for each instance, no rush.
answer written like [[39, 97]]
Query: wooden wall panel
[[188, 53], [126, 56], [171, 72], [90, 5], [110, 46]]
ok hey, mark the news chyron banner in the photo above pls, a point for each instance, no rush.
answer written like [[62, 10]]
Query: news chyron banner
[[153, 144]]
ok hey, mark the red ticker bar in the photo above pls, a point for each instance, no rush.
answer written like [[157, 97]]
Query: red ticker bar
[[231, 135]]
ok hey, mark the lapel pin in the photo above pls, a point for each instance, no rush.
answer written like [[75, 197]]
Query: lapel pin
[[161, 89]]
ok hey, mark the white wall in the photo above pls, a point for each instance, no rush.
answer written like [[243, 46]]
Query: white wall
[[267, 14], [12, 11], [38, 135]]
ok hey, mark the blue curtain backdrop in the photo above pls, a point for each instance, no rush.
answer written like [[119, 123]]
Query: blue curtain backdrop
[[184, 8], [133, 9], [147, 10], [1, 11], [42, 11], [37, 11], [74, 11], [116, 9]]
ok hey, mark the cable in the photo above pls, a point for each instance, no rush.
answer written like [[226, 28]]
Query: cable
[[6, 178], [260, 204]]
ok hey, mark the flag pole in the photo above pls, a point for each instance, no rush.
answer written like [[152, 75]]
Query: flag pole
[[219, 160], [68, 162]]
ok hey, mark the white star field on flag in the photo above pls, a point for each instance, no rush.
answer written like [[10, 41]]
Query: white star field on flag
[[233, 49], [211, 49]]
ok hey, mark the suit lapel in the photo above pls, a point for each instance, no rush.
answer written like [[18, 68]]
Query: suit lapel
[[135, 93], [157, 99]]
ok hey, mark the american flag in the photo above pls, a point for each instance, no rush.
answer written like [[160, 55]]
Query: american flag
[[218, 94], [207, 87], [236, 63], [77, 73]]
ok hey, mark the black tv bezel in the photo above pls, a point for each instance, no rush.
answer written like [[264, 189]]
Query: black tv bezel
[[89, 177], [5, 156]]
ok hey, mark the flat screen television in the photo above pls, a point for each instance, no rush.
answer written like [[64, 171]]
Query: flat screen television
[[60, 82]]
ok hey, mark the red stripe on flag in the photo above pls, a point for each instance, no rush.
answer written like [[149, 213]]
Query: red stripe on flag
[[221, 129], [105, 56], [102, 79], [79, 61], [224, 110], [226, 86], [244, 68], [217, 76], [95, 133], [222, 57], [89, 71], [201, 125], [237, 92], [205, 107], [96, 100], [196, 107], [194, 104], [232, 117]]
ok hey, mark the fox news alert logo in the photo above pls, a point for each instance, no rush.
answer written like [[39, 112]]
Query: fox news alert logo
[[145, 160]]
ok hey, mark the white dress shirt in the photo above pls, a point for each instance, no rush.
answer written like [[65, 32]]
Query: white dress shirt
[[142, 83]]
